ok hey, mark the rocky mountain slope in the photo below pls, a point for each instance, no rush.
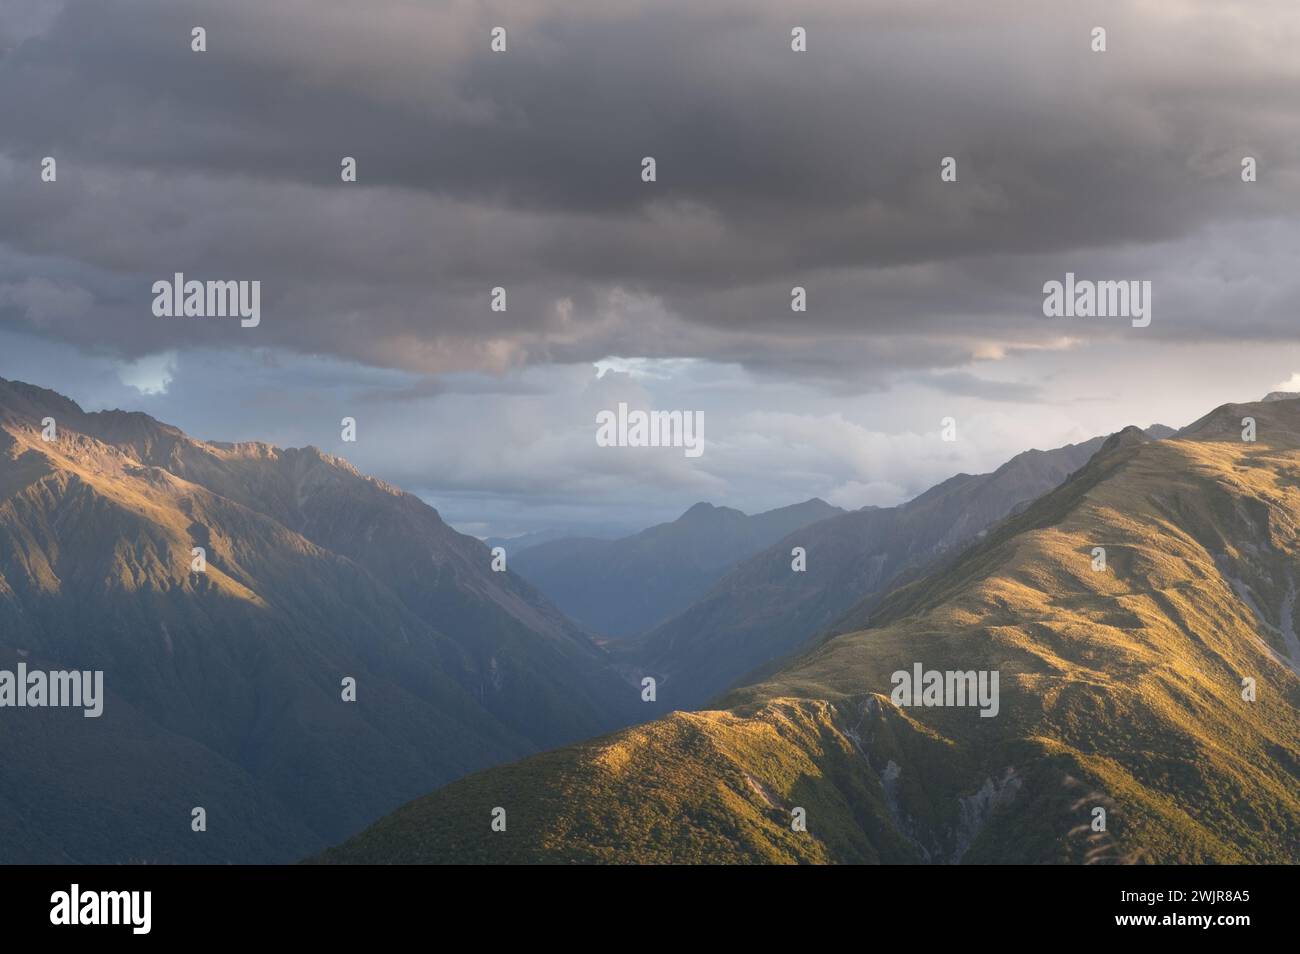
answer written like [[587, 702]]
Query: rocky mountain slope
[[224, 687]]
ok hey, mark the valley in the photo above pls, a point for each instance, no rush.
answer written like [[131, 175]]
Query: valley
[[1120, 691], [1156, 688]]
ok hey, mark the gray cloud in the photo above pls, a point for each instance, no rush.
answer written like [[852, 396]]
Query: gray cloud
[[775, 169], [969, 385], [521, 169]]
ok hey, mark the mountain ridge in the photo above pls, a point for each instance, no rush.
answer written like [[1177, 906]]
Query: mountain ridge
[[314, 572], [621, 587], [762, 611], [1123, 692]]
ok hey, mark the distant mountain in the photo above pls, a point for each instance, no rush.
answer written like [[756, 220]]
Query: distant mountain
[[1148, 707], [623, 587], [522, 542], [763, 610], [224, 687]]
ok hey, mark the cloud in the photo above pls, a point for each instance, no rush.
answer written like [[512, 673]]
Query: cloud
[[969, 385], [151, 374], [522, 170], [23, 20], [775, 168]]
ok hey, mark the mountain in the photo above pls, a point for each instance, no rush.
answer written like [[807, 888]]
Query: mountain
[[524, 541], [763, 610], [623, 587], [1124, 688], [224, 687]]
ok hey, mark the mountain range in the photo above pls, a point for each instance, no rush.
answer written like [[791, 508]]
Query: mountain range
[[1139, 621], [763, 610], [623, 587], [1159, 688], [224, 686]]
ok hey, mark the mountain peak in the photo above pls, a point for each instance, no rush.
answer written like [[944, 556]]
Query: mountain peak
[[309, 572], [27, 400], [1197, 595], [816, 503], [1130, 436], [707, 511]]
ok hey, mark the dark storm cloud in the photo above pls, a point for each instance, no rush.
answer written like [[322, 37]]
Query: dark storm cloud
[[522, 170]]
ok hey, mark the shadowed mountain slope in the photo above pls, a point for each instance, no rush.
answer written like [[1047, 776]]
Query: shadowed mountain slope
[[224, 687], [623, 587]]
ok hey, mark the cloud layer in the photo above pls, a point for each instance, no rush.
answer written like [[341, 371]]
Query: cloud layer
[[775, 168]]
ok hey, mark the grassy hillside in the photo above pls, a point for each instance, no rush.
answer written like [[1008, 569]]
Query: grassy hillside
[[1121, 689], [762, 612]]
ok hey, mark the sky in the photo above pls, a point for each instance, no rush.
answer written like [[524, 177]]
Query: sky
[[522, 169]]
